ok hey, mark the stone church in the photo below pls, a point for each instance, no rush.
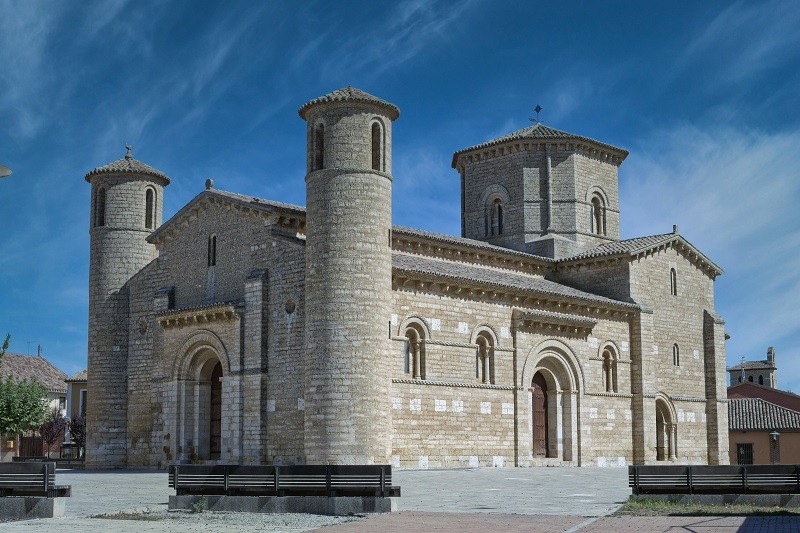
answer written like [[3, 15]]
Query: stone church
[[246, 330]]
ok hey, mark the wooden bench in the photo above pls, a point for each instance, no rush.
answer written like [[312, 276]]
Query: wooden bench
[[701, 479], [31, 479], [296, 480]]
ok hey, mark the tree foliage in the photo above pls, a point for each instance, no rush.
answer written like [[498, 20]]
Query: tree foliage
[[53, 427], [77, 428], [5, 346], [23, 406]]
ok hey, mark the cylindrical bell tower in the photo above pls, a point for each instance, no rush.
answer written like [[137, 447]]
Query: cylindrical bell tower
[[126, 207], [348, 278]]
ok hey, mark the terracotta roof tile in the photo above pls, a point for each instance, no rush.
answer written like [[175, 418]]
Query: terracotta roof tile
[[746, 414], [19, 366], [350, 94], [449, 269], [78, 376], [127, 165], [539, 131]]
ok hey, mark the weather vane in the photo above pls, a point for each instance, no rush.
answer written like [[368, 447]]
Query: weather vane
[[538, 110]]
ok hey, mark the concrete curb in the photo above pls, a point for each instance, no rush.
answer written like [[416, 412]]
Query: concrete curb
[[336, 505]]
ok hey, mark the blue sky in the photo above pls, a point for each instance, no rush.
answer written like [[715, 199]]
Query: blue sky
[[705, 96]]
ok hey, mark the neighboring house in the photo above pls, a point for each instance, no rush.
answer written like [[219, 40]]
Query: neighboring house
[[762, 432], [76, 394], [763, 372], [776, 396], [20, 366], [245, 330]]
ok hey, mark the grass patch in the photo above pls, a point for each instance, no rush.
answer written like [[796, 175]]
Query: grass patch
[[655, 507]]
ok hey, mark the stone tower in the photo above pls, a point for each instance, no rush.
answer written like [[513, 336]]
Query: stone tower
[[126, 206], [348, 278], [540, 190]]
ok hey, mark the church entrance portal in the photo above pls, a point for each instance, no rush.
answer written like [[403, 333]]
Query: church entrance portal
[[540, 430]]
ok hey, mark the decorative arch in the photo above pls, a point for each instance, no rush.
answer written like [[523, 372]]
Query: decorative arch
[[666, 428], [416, 331], [598, 204], [553, 376], [610, 355], [495, 201], [198, 371]]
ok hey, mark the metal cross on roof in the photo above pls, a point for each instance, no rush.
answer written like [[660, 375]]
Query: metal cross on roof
[[538, 110]]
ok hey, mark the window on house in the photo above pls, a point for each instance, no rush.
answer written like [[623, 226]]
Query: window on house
[[212, 250], [750, 379], [676, 355], [377, 148], [744, 453], [598, 216], [82, 409], [100, 207], [485, 359], [673, 282], [760, 380], [149, 209], [319, 147], [62, 403], [415, 351]]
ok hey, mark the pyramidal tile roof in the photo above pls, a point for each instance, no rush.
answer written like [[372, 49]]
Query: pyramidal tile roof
[[20, 366], [543, 132], [747, 414], [128, 165], [350, 94]]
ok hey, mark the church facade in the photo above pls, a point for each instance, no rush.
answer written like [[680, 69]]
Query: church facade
[[245, 330]]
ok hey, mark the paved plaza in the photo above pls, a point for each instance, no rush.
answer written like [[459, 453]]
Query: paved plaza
[[482, 499]]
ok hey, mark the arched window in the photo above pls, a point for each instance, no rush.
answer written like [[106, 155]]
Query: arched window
[[485, 358], [319, 147], [598, 216], [377, 147], [760, 379], [676, 355], [415, 351], [212, 250], [750, 379], [149, 209], [494, 217], [609, 370], [740, 379], [673, 282], [100, 207]]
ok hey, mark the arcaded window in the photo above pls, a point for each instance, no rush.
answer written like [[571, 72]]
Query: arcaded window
[[212, 250], [598, 216], [485, 358], [673, 282], [149, 209], [676, 355], [100, 207], [609, 370], [415, 351], [377, 147], [319, 147]]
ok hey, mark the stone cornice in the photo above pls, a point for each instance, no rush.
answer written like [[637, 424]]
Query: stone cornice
[[500, 148], [577, 325], [452, 384], [197, 315]]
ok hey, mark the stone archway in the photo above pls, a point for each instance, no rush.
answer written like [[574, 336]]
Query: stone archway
[[666, 431], [552, 376], [199, 399]]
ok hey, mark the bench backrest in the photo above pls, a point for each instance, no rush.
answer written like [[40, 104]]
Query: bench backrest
[[714, 479], [322, 477], [27, 475]]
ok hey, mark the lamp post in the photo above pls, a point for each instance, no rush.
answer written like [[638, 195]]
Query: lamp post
[[4, 171], [776, 454]]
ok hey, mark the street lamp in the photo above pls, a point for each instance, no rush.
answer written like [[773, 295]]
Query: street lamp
[[4, 171], [776, 454]]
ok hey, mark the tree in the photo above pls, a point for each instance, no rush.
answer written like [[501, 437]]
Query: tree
[[23, 406], [5, 346], [53, 428], [77, 428]]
